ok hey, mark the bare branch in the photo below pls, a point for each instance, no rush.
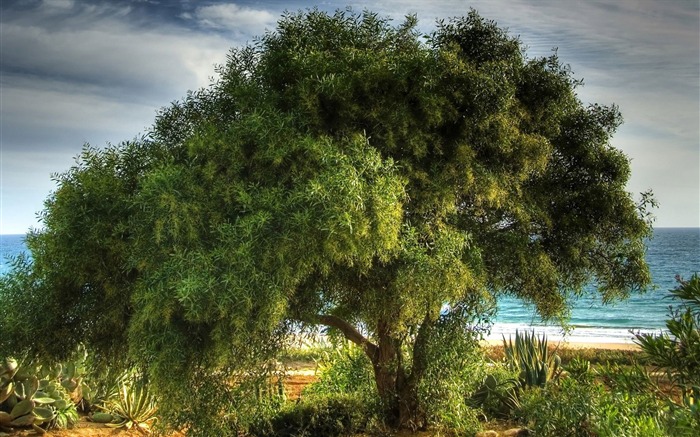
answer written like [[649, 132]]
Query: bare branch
[[351, 333]]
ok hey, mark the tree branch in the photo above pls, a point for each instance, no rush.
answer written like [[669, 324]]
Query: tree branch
[[351, 333], [420, 361]]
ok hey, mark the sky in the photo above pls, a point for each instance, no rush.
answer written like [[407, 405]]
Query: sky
[[75, 72]]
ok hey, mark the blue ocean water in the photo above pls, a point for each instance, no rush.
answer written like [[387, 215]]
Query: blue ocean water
[[671, 252], [10, 247]]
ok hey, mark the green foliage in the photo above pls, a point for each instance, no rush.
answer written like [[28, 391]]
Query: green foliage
[[684, 420], [455, 362], [340, 166], [600, 356], [104, 386], [627, 414], [531, 359], [134, 407], [312, 351], [575, 409], [580, 370], [497, 396], [678, 352], [345, 370], [30, 397], [626, 379], [320, 415]]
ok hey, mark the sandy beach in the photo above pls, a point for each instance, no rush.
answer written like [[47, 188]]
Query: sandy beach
[[578, 345]]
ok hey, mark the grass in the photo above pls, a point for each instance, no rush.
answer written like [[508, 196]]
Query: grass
[[594, 356]]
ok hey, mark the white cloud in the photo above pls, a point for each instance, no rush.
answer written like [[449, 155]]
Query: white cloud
[[89, 76], [114, 56], [75, 72], [235, 18]]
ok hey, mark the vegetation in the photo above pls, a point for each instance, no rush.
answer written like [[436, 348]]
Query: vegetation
[[33, 396], [678, 352], [530, 358], [342, 172]]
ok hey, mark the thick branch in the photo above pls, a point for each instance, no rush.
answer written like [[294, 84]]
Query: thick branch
[[351, 333], [420, 363]]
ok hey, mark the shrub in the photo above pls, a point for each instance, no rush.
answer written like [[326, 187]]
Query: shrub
[[627, 379], [456, 365], [575, 409], [678, 353], [347, 370], [563, 410], [319, 415], [498, 394], [629, 415], [580, 370]]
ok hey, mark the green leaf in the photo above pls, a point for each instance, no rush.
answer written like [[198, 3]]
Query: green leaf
[[44, 400], [43, 414], [25, 420], [23, 407]]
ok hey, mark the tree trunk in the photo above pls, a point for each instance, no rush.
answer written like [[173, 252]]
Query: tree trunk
[[397, 389]]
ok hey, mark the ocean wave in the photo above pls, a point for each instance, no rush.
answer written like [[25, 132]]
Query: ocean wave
[[576, 333]]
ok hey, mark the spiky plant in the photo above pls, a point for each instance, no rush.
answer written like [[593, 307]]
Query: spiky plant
[[530, 356]]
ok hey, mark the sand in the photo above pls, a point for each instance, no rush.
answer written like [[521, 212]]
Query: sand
[[579, 345]]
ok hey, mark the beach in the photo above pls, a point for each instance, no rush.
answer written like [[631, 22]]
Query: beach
[[576, 344]]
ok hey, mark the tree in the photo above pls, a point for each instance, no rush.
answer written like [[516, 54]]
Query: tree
[[343, 172]]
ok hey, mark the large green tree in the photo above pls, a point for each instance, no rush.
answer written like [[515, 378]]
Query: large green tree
[[342, 171]]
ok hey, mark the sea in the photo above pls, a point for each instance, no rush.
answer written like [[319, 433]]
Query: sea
[[671, 252]]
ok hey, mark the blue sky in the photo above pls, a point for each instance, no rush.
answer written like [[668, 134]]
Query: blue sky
[[75, 72]]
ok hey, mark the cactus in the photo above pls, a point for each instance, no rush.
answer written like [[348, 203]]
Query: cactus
[[100, 417], [498, 398], [27, 401]]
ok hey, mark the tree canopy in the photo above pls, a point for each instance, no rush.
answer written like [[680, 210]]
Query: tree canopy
[[341, 171]]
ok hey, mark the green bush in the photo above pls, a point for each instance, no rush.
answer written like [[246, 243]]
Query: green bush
[[600, 356], [683, 421], [678, 353], [626, 379], [498, 393], [319, 415], [342, 401], [575, 409], [347, 370], [580, 370], [562, 410], [629, 415], [455, 366]]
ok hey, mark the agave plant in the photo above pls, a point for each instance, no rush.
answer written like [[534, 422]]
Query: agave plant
[[529, 355], [134, 407]]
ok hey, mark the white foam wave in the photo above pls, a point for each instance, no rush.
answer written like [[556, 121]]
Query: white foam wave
[[578, 334]]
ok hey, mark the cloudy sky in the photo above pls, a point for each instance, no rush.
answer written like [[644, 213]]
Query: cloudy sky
[[75, 72]]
